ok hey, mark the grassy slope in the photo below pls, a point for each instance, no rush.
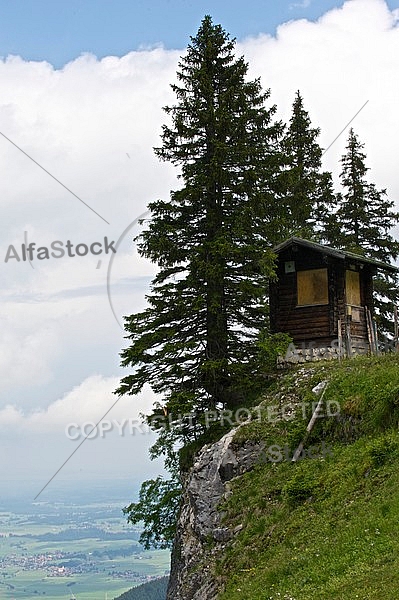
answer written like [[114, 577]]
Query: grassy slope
[[322, 528]]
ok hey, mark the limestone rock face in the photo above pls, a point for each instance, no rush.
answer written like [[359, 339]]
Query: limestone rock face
[[200, 535]]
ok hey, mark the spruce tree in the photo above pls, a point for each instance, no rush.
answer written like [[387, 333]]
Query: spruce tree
[[195, 342], [307, 195], [364, 222]]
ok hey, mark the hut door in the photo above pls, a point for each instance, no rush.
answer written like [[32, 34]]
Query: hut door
[[353, 288]]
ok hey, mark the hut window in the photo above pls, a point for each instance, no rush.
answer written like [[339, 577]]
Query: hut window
[[353, 288], [312, 287]]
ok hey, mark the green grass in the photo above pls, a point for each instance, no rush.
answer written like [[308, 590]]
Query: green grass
[[322, 528]]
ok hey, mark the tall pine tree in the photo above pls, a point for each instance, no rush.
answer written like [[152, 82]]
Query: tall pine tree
[[195, 343], [306, 191], [363, 224]]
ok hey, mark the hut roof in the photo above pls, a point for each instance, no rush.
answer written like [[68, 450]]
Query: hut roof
[[339, 254]]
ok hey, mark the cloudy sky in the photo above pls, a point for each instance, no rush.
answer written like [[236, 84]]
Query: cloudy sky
[[82, 89]]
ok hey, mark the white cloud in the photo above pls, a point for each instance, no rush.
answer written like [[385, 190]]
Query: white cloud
[[38, 443], [80, 123], [93, 125], [348, 56], [303, 4], [86, 402], [26, 351], [10, 416]]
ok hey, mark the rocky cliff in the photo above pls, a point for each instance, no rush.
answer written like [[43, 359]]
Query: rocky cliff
[[200, 536]]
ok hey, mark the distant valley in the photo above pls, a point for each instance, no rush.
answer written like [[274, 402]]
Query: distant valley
[[72, 549]]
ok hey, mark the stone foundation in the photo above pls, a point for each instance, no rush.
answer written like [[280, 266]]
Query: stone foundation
[[296, 356]]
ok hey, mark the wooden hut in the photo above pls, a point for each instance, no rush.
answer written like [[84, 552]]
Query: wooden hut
[[323, 297]]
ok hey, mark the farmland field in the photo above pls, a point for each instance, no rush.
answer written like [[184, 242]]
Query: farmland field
[[71, 550]]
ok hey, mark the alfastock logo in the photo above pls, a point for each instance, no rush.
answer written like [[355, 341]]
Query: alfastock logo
[[57, 250]]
